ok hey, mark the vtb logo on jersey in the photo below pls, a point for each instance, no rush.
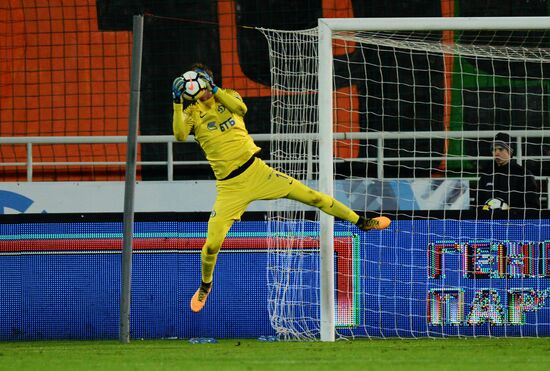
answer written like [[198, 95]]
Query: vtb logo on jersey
[[227, 124]]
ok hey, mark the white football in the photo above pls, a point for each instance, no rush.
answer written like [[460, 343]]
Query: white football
[[496, 204], [194, 86]]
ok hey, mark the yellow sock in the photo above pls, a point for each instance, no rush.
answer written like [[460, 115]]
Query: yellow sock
[[323, 201], [208, 264], [341, 211]]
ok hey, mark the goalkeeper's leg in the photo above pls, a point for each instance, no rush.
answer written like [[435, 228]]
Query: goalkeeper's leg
[[217, 230], [331, 206], [231, 202]]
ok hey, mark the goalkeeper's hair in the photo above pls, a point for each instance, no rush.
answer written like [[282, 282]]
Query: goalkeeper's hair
[[202, 67]]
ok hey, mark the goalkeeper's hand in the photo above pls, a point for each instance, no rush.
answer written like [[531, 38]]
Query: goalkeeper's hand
[[209, 82], [177, 89]]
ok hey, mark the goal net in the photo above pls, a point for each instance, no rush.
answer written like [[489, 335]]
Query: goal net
[[403, 123]]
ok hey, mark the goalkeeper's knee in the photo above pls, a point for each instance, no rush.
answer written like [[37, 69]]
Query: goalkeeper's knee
[[210, 249], [312, 198], [320, 200], [213, 242]]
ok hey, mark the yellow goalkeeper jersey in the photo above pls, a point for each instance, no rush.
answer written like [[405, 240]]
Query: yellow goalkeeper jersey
[[219, 128]]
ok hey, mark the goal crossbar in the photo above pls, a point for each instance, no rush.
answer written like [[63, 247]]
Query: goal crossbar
[[436, 24]]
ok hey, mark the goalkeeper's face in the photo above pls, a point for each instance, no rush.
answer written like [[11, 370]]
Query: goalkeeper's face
[[501, 155], [206, 96]]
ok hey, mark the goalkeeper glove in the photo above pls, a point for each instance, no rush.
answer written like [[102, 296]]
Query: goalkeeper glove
[[177, 89], [209, 82]]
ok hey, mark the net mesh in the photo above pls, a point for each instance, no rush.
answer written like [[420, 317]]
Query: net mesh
[[415, 116]]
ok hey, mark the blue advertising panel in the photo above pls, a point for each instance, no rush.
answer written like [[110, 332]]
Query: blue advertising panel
[[429, 277]]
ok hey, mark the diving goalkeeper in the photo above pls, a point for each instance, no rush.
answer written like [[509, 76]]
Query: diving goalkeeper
[[216, 120]]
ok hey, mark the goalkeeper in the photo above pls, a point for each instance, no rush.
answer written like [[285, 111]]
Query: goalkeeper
[[216, 120]]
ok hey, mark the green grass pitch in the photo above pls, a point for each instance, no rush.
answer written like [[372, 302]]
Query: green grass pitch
[[249, 354]]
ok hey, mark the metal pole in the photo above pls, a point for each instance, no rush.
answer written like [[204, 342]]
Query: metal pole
[[29, 162], [130, 183], [436, 23], [170, 161]]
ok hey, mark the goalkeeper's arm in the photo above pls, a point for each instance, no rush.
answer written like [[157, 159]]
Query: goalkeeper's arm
[[229, 98], [182, 121], [232, 101]]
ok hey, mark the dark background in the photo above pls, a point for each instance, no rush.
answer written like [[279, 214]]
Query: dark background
[[179, 33]]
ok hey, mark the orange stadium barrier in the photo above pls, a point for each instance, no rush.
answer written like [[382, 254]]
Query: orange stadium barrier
[[61, 76]]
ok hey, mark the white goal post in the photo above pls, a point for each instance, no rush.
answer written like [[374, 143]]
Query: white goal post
[[326, 27], [307, 84]]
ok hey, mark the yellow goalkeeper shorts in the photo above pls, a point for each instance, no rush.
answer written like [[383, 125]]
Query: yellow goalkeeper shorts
[[258, 182]]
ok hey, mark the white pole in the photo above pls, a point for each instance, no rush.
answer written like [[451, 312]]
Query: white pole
[[436, 23], [326, 237]]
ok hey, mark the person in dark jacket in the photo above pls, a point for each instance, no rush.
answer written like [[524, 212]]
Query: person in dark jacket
[[507, 185]]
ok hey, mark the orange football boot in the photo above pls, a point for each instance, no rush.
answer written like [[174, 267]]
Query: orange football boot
[[199, 299], [377, 223]]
